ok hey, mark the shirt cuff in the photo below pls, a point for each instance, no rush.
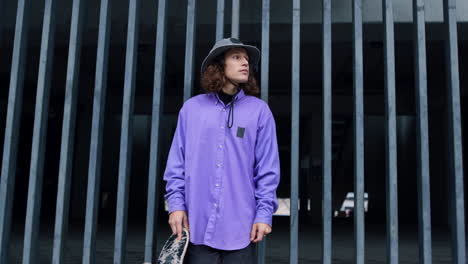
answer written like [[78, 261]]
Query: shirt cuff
[[264, 218], [176, 205]]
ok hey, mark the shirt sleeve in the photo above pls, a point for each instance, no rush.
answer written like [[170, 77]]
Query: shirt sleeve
[[174, 175], [267, 168]]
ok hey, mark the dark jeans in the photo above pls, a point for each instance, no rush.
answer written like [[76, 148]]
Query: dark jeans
[[200, 254]]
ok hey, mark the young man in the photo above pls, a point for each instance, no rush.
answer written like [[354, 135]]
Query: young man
[[223, 166]]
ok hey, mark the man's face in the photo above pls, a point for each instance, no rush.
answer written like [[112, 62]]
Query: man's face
[[236, 65]]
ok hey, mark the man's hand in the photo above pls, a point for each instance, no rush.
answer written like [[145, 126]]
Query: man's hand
[[178, 220], [259, 230]]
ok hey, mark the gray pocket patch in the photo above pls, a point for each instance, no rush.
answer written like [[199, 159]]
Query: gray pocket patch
[[240, 132]]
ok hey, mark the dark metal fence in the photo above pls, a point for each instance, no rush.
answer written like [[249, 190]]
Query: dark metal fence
[[10, 147]]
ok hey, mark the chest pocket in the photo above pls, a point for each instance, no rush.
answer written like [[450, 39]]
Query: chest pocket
[[240, 132], [244, 131]]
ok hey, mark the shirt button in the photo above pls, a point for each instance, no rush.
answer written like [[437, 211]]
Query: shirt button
[[220, 146], [217, 185], [219, 165], [215, 205], [222, 127]]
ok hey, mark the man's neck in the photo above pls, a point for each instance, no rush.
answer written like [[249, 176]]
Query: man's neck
[[229, 88]]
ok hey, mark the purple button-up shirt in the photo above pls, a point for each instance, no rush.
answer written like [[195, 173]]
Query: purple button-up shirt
[[224, 178]]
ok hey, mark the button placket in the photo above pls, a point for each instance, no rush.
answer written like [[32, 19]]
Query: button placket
[[219, 163], [220, 158]]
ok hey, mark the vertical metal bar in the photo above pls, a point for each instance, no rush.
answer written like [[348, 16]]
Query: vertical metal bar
[[391, 140], [235, 18], [10, 145], [327, 133], [31, 229], [261, 248], [158, 100], [358, 133], [189, 46], [126, 132], [454, 130], [295, 117], [424, 199], [220, 20], [68, 131], [265, 61], [94, 172]]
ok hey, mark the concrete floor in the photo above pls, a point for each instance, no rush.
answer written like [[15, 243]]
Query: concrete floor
[[277, 244]]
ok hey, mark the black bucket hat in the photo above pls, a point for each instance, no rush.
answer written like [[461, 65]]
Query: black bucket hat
[[223, 45]]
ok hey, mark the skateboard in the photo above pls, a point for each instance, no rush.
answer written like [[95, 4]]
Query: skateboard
[[173, 251]]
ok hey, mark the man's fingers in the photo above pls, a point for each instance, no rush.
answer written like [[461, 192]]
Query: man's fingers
[[179, 230], [260, 234], [186, 225], [253, 232], [173, 228], [178, 220], [172, 225]]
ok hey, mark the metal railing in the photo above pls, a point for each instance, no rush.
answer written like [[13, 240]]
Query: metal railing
[[10, 147]]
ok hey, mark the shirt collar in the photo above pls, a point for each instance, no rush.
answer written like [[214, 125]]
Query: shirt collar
[[238, 96]]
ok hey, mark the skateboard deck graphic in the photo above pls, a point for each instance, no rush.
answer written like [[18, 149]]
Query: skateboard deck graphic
[[173, 251]]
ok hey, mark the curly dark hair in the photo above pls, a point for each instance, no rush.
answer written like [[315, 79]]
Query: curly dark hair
[[213, 79]]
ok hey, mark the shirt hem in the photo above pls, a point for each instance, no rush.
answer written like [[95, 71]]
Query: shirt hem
[[243, 245]]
